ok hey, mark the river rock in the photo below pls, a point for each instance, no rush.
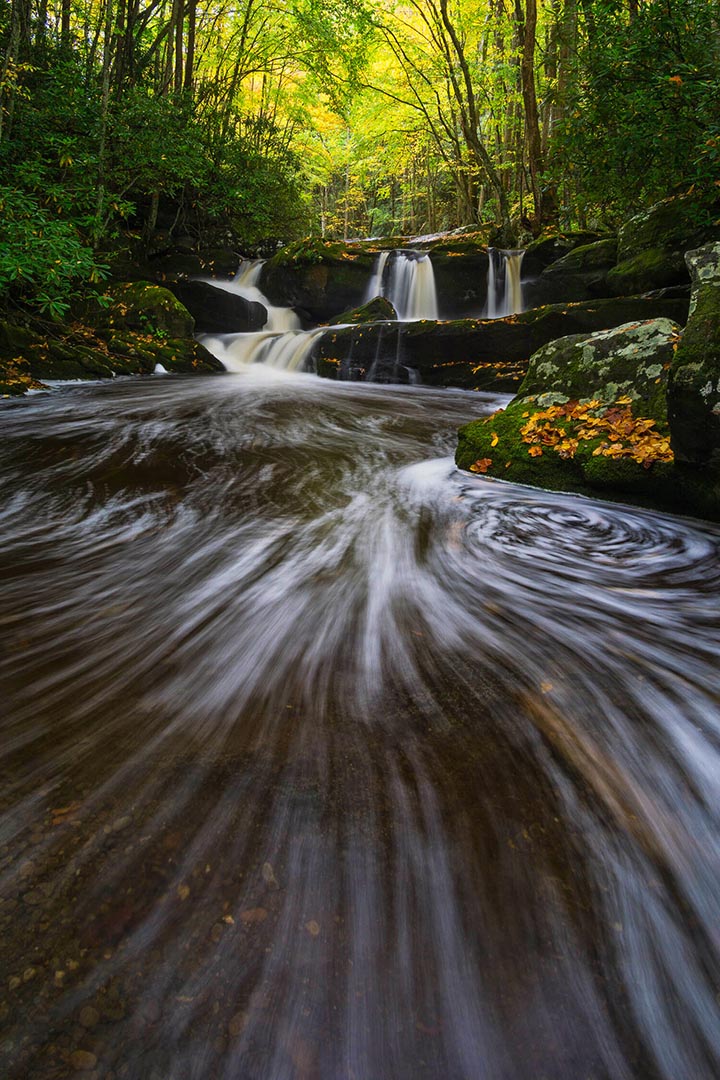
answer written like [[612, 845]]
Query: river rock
[[652, 244], [460, 269], [217, 310], [320, 277], [674, 224], [146, 308], [591, 417], [694, 392], [632, 360], [27, 359], [579, 275], [376, 310], [654, 268], [477, 354], [548, 248]]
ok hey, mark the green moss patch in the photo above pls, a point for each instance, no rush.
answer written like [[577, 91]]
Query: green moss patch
[[572, 446]]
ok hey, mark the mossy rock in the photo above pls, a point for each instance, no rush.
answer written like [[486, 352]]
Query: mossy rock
[[632, 360], [147, 308], [694, 390], [476, 354], [16, 340], [187, 358], [376, 310], [461, 274], [318, 277], [501, 446], [587, 257], [577, 276], [16, 378], [675, 224], [654, 268], [551, 246], [27, 358]]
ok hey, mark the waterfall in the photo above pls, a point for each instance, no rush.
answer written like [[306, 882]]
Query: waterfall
[[288, 350], [281, 344], [375, 285], [504, 285], [245, 284], [409, 285], [404, 277]]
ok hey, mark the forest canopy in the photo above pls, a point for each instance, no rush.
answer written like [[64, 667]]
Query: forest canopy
[[246, 121]]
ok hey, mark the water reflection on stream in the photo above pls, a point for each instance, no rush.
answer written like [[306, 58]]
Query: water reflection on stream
[[321, 760]]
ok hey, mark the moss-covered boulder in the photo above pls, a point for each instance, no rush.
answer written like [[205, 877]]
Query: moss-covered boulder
[[632, 360], [147, 308], [591, 417], [675, 224], [579, 275], [653, 268], [476, 354], [320, 277], [694, 392], [569, 446], [603, 449], [379, 309], [219, 311], [28, 359], [551, 246]]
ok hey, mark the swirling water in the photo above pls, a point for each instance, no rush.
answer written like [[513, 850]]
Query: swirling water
[[320, 759]]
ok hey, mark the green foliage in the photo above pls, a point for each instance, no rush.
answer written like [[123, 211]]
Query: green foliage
[[644, 109], [42, 257]]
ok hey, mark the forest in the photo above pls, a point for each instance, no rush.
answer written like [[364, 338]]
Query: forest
[[360, 561], [249, 122]]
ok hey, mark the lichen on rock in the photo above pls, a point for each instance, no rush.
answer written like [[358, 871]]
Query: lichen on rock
[[694, 389], [631, 360]]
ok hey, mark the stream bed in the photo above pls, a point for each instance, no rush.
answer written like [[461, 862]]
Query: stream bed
[[320, 759]]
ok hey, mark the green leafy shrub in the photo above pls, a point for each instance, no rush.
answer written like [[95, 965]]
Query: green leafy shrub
[[42, 259]]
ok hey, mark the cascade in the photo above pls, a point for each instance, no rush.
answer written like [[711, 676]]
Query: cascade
[[281, 344], [504, 287], [409, 284], [404, 277], [245, 284], [288, 350], [375, 285]]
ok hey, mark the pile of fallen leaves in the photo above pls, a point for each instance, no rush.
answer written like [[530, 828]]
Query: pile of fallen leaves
[[613, 430]]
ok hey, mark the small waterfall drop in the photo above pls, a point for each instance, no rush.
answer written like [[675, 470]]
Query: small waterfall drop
[[504, 287], [408, 283], [375, 285], [245, 284], [281, 344], [288, 350]]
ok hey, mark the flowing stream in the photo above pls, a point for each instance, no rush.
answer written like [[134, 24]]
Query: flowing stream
[[322, 760]]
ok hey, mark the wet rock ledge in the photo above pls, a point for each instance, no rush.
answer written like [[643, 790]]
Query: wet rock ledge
[[632, 412]]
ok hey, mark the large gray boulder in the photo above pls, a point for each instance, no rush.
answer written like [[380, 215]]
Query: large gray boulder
[[629, 361], [694, 390]]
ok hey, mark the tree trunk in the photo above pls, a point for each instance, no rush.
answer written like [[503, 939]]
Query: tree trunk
[[543, 200], [190, 53]]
